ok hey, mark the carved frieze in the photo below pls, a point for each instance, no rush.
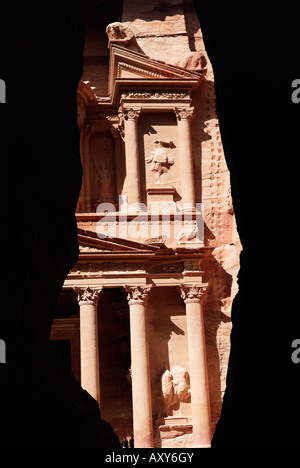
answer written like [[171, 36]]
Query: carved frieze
[[192, 266], [155, 94], [166, 268], [86, 270]]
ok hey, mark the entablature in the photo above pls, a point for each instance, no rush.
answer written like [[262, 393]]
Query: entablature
[[102, 262]]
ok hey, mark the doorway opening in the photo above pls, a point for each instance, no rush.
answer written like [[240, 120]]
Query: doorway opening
[[115, 361]]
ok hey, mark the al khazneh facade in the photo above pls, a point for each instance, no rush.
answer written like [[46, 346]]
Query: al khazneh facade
[[144, 315]]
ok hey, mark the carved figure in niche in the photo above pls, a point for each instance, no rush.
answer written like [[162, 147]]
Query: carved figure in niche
[[102, 171], [175, 387], [159, 159]]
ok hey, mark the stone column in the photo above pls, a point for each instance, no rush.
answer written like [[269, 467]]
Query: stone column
[[89, 350], [200, 402], [86, 134], [184, 117], [119, 171], [141, 384], [132, 159]]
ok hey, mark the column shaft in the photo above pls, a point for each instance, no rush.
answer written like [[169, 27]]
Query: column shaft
[[141, 384], [132, 159], [184, 117], [200, 401], [89, 349]]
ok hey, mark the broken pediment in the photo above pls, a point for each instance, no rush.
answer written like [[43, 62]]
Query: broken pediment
[[90, 243], [128, 66]]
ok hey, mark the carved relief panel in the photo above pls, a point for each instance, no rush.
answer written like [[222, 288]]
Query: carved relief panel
[[102, 169], [159, 156]]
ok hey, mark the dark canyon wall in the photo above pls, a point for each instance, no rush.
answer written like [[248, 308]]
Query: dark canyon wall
[[41, 404], [254, 58]]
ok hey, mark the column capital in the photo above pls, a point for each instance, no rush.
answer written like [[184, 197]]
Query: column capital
[[184, 113], [192, 293], [87, 295], [131, 114], [137, 294]]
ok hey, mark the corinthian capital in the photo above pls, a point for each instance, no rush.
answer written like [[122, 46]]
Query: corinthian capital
[[137, 294], [192, 293], [185, 113], [131, 114], [86, 295]]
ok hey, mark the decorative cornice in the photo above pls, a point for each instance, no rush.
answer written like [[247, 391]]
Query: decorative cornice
[[137, 70]]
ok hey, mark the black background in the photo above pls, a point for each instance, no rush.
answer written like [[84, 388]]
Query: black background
[[254, 51]]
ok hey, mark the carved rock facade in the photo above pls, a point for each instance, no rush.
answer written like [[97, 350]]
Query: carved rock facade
[[154, 219]]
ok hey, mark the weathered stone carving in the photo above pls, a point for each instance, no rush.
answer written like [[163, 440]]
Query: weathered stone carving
[[194, 61], [192, 293], [119, 32], [159, 159], [166, 268], [117, 122], [86, 248], [159, 240], [186, 113], [154, 95], [137, 294], [175, 387], [131, 113], [188, 233], [87, 295]]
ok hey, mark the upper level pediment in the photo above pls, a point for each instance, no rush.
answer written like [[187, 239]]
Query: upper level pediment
[[90, 243], [129, 67]]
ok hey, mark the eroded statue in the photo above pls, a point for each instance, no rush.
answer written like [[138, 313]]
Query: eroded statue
[[159, 159], [119, 32], [175, 386]]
